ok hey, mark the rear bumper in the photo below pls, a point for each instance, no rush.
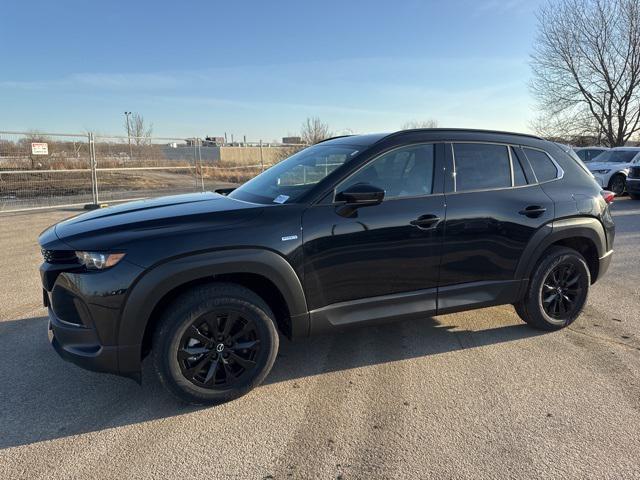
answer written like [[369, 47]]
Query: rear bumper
[[633, 185], [604, 263]]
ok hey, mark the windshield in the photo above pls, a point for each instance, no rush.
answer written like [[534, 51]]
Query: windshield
[[288, 180], [617, 156]]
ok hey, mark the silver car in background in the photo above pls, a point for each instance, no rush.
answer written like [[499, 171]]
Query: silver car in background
[[586, 154]]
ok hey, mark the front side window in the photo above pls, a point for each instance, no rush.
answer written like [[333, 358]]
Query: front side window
[[481, 166], [404, 172], [542, 165], [290, 179]]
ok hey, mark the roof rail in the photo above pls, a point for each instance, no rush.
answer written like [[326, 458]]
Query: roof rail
[[333, 138], [470, 130]]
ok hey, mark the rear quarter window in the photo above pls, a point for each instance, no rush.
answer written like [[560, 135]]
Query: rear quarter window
[[542, 165]]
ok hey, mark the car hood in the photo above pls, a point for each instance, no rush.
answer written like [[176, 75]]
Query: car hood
[[120, 225], [606, 166]]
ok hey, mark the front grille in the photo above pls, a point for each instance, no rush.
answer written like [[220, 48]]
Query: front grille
[[634, 172], [59, 256]]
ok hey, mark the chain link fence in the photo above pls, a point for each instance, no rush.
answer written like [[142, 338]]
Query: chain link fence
[[43, 170], [39, 170]]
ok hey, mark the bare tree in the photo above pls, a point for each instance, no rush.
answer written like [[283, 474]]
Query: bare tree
[[586, 69], [429, 123], [314, 130], [138, 130]]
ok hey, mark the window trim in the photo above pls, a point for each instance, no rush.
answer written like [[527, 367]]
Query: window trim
[[509, 146], [399, 147], [516, 159]]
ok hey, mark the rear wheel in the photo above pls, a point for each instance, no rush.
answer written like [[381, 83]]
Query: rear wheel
[[617, 184], [215, 344], [557, 291]]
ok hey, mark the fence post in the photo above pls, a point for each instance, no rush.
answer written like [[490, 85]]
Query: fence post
[[201, 166], [94, 175], [261, 158]]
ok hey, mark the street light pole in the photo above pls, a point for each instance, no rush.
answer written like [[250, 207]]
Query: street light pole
[[129, 135]]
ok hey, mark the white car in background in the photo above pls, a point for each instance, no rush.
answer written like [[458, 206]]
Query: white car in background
[[586, 154], [611, 168]]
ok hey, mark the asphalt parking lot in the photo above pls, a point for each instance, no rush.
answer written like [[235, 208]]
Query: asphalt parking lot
[[470, 395]]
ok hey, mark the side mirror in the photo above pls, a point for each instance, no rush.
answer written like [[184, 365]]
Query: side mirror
[[361, 194]]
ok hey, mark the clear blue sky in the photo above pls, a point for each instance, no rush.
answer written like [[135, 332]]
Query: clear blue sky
[[260, 68]]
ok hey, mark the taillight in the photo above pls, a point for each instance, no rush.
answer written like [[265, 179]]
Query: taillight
[[608, 196]]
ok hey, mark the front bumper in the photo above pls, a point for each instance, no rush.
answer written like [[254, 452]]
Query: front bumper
[[603, 180], [633, 185], [84, 315], [79, 345]]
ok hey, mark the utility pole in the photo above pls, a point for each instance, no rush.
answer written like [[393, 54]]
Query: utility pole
[[126, 114]]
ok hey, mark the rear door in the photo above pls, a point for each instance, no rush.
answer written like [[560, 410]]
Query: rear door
[[494, 207]]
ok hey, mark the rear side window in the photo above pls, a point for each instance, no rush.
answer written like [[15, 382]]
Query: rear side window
[[542, 165], [481, 166]]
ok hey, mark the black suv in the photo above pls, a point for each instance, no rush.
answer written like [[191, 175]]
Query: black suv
[[354, 230]]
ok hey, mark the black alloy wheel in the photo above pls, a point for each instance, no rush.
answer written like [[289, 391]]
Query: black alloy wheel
[[557, 290], [561, 290], [215, 343], [218, 348]]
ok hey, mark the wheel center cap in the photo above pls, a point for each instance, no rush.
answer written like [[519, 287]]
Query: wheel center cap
[[220, 347], [559, 290]]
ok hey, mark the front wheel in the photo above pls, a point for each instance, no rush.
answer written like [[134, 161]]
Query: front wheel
[[214, 344], [557, 290], [617, 184]]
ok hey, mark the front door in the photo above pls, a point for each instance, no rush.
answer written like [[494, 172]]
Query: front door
[[380, 252]]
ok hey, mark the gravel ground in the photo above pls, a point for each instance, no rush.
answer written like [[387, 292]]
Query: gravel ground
[[470, 395]]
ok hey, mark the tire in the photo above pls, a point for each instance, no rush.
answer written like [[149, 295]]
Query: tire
[[617, 184], [546, 313], [229, 352]]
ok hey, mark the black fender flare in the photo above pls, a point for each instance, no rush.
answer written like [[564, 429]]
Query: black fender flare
[[154, 284], [586, 227]]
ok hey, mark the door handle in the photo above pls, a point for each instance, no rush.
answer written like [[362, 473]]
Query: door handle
[[425, 221], [533, 211]]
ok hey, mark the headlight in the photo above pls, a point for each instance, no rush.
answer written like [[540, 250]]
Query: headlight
[[603, 172], [99, 260]]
